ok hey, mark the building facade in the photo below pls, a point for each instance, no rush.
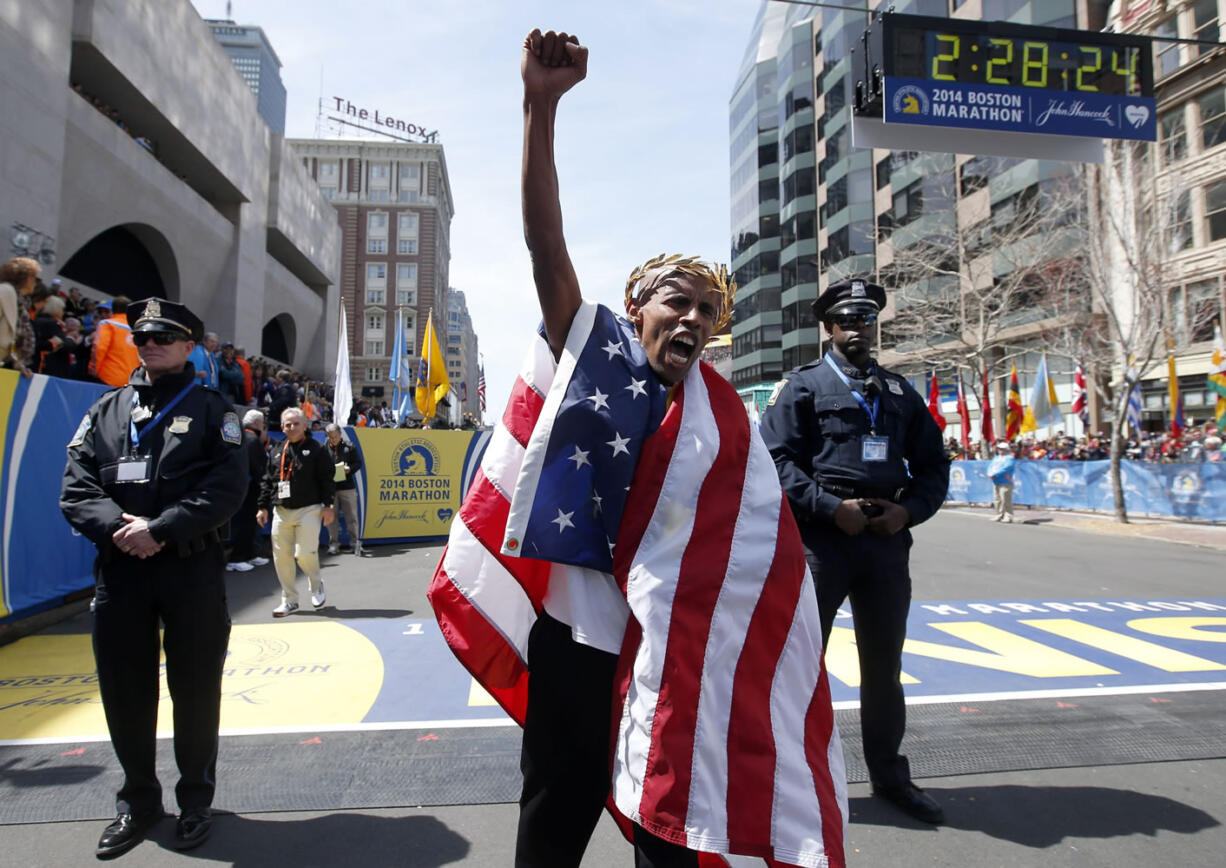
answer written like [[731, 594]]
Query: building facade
[[251, 52], [463, 358], [808, 209], [393, 204], [136, 163]]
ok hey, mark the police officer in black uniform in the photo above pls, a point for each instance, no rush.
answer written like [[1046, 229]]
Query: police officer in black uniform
[[155, 468], [861, 462]]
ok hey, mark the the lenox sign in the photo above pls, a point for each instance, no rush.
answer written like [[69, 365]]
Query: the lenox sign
[[344, 106]]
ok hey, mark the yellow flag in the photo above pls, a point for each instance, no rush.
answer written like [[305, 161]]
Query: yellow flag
[[432, 382]]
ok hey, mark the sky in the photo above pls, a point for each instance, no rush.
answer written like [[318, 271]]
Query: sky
[[642, 143]]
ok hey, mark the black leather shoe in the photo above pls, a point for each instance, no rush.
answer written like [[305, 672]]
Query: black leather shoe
[[193, 828], [124, 833], [913, 801]]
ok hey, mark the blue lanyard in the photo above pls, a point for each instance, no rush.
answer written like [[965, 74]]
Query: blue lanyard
[[136, 438], [871, 411]]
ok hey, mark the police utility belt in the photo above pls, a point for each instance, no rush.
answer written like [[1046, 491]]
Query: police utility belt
[[852, 491]]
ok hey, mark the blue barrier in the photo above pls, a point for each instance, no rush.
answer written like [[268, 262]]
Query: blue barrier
[[1176, 490]]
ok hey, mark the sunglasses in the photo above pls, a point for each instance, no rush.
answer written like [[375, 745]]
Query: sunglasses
[[844, 320], [162, 339]]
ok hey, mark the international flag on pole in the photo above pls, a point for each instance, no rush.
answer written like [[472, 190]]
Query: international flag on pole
[[1217, 377], [1174, 398], [432, 381], [1080, 404], [1014, 412], [964, 415], [400, 373], [762, 776], [481, 386], [342, 385], [1044, 409], [985, 411], [1134, 405], [934, 402]]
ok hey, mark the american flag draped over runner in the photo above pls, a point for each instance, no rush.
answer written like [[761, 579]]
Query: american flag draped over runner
[[725, 736]]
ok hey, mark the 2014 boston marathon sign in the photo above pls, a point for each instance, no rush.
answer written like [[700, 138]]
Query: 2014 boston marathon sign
[[415, 479], [1005, 78]]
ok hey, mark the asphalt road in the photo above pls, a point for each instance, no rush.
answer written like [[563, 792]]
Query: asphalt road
[[1107, 814]]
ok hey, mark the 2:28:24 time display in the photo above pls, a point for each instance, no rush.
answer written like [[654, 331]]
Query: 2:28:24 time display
[[1034, 63]]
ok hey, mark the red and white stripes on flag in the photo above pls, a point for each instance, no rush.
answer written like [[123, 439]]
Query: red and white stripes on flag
[[725, 738]]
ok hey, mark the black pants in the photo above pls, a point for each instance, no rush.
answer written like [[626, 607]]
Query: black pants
[[243, 527], [873, 573], [188, 597]]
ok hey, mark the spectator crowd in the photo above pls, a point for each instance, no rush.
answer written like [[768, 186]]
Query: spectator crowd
[[1193, 445]]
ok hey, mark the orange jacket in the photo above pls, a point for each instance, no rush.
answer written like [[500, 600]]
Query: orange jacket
[[246, 366], [115, 355]]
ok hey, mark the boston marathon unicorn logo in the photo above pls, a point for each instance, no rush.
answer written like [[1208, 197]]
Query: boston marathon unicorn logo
[[415, 457]]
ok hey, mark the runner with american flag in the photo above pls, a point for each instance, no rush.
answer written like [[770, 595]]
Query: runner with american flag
[[625, 576]]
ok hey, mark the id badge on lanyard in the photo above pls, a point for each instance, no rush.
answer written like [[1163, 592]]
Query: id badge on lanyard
[[283, 486], [132, 468], [283, 489], [874, 447]]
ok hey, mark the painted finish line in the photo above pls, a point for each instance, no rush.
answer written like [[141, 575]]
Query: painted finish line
[[319, 675]]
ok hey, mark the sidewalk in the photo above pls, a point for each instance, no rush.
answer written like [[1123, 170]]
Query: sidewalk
[[1167, 530]]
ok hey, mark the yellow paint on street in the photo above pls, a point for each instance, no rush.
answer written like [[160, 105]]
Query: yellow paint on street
[[1189, 628], [1149, 653], [276, 675], [478, 696], [1007, 652], [842, 662]]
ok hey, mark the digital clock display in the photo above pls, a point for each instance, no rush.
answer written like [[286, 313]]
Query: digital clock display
[[1039, 58]]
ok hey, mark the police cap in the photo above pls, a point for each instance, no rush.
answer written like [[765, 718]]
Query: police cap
[[160, 315], [854, 295]]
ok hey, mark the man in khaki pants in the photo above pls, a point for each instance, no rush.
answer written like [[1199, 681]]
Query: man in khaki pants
[[298, 488]]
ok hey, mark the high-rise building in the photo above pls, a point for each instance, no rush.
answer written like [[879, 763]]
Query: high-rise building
[[259, 66], [461, 353], [393, 201]]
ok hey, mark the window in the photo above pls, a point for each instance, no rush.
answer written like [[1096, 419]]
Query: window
[[1179, 231], [408, 173], [376, 223], [407, 247], [378, 171], [409, 196], [406, 297], [1215, 210], [376, 245], [376, 296], [376, 273], [1204, 306], [374, 375], [453, 351], [327, 170], [1213, 118], [329, 192], [406, 275], [1173, 134], [1204, 23], [407, 224], [374, 322], [378, 196], [374, 348], [1168, 52]]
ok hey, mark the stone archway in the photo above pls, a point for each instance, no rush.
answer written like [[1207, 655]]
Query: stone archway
[[279, 338], [132, 259]]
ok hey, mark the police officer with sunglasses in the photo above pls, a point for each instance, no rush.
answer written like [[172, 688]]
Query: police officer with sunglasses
[[154, 469], [861, 462]]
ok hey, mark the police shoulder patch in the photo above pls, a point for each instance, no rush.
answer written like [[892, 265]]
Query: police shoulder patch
[[231, 430], [770, 402], [82, 430]]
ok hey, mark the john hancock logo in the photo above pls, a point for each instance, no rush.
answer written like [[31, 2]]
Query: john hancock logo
[[415, 457]]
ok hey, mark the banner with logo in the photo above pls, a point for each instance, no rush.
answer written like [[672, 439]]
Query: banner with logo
[[413, 480], [1176, 490], [42, 559]]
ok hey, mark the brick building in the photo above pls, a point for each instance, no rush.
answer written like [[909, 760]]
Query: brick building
[[393, 202]]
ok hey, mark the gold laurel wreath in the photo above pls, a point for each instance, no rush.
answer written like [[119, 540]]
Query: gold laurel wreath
[[716, 275]]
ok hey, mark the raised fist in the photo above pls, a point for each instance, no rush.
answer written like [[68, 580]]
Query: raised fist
[[552, 63]]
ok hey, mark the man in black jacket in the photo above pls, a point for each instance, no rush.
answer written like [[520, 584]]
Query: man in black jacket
[[243, 556], [284, 397], [347, 463], [155, 468], [297, 490]]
